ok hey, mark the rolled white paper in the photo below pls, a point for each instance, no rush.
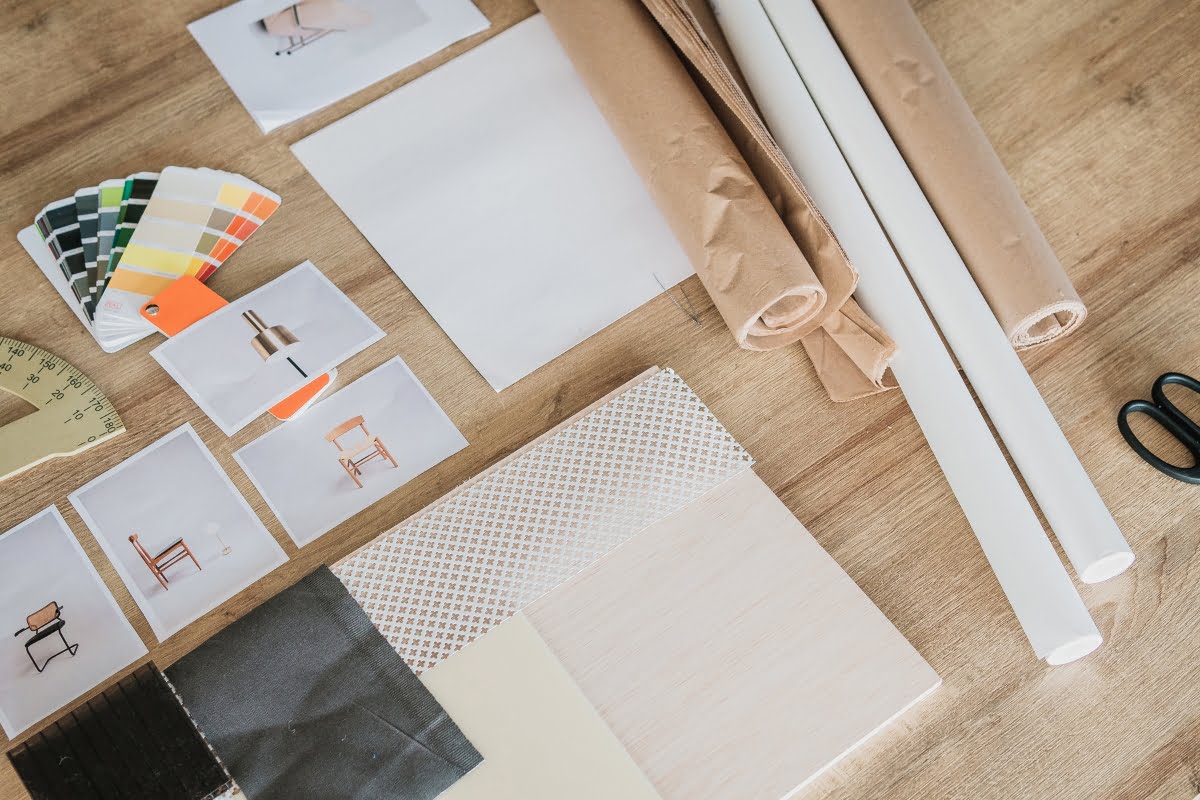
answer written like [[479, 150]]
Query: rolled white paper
[[1041, 593], [1083, 524]]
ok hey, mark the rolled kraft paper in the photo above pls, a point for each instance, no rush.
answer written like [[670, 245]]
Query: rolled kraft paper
[[770, 290], [1083, 524], [1046, 603], [952, 159], [850, 352]]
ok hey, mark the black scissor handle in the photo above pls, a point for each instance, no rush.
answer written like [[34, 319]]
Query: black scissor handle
[[1159, 396], [1176, 423]]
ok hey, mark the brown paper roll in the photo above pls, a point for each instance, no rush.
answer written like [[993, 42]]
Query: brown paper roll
[[773, 268], [960, 173]]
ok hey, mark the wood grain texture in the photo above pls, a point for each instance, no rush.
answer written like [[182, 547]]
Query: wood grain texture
[[730, 654], [1093, 105]]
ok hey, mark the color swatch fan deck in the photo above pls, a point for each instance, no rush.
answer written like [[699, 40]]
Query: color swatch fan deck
[[110, 248]]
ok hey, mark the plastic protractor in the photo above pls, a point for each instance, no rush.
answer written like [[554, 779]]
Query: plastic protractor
[[72, 413]]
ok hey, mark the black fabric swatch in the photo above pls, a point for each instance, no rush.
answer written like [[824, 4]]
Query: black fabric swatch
[[133, 741], [304, 698]]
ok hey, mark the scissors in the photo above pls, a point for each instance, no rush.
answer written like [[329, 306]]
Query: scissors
[[1178, 424]]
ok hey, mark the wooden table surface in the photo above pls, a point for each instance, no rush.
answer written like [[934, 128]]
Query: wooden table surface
[[1094, 106]]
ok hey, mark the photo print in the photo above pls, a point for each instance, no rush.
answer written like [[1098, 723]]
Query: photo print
[[178, 532], [349, 450], [244, 358], [286, 60], [65, 632]]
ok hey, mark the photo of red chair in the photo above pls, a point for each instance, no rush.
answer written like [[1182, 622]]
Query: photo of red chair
[[169, 556]]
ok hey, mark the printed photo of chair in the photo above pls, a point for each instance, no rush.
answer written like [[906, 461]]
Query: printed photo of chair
[[353, 457], [305, 22], [168, 557], [44, 623]]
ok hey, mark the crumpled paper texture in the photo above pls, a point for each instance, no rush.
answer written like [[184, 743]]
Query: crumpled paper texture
[[773, 268]]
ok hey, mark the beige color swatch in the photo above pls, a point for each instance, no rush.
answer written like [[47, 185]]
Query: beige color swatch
[[540, 737], [728, 652], [951, 157], [764, 253]]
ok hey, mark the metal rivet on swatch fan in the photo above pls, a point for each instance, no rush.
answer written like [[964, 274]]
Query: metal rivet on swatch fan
[[152, 310]]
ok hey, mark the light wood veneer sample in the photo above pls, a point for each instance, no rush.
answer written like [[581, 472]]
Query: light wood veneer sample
[[728, 652]]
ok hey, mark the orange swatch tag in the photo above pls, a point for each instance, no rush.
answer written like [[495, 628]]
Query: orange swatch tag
[[185, 301], [299, 400]]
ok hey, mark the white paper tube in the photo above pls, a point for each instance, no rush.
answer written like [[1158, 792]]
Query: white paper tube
[[1084, 526], [1041, 593]]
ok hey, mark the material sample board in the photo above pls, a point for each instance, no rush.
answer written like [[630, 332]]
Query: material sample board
[[540, 737], [728, 652], [303, 698]]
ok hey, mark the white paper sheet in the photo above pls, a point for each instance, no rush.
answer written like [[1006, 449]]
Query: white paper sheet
[[1062, 488], [376, 39], [1046, 603], [494, 188], [297, 470]]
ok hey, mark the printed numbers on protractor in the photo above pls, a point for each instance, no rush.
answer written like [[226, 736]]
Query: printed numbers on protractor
[[72, 413]]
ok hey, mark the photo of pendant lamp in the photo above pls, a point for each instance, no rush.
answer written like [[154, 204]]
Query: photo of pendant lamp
[[272, 343]]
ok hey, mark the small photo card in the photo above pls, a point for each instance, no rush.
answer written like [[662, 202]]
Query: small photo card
[[349, 451], [178, 532], [285, 60], [70, 634], [239, 361]]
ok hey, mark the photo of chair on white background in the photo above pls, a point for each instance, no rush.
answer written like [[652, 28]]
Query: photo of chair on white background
[[180, 535], [72, 634], [44, 623], [303, 23], [349, 450], [352, 456]]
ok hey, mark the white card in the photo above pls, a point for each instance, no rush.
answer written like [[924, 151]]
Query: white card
[[197, 544], [239, 361], [494, 188], [313, 484], [286, 60], [43, 669]]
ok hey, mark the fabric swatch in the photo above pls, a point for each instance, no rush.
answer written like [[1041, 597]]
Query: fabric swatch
[[477, 556], [302, 697], [133, 741], [540, 737]]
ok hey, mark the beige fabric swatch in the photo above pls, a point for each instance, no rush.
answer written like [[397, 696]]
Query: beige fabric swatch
[[766, 256], [540, 737], [728, 652], [951, 157]]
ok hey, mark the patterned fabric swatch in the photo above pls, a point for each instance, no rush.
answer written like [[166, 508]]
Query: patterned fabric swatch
[[133, 741], [476, 557]]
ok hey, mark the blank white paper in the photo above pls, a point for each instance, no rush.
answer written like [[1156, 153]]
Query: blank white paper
[[494, 188]]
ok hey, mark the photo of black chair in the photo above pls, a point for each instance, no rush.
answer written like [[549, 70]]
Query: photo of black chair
[[44, 623]]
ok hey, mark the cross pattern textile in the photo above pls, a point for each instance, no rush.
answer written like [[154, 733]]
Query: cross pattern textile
[[476, 557]]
